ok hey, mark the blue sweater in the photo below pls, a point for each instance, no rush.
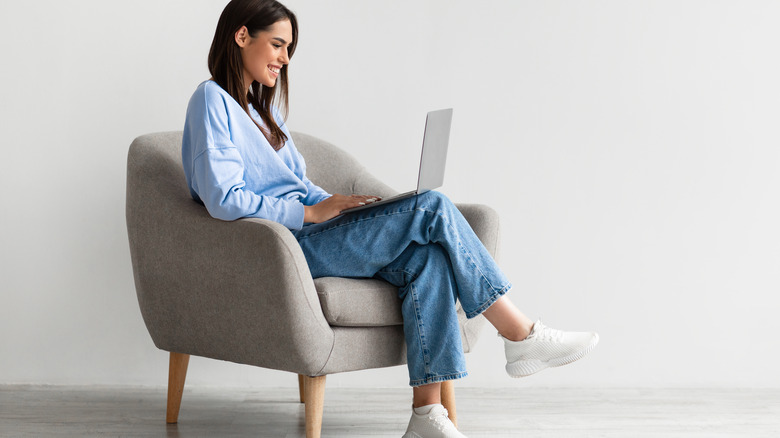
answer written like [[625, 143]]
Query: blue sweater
[[234, 171]]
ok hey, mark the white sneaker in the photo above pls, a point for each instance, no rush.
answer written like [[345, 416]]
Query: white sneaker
[[434, 424], [546, 347]]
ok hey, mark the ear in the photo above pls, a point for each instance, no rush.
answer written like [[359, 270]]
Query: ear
[[242, 37]]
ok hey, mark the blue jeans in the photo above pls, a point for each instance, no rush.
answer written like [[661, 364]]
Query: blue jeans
[[424, 246]]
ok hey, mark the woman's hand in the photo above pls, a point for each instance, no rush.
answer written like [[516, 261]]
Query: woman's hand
[[332, 207]]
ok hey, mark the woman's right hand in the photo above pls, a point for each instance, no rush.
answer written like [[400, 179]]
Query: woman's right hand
[[332, 207]]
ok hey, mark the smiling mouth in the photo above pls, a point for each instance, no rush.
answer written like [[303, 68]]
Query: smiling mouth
[[274, 70]]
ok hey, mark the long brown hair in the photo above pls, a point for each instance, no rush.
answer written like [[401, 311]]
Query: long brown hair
[[227, 69]]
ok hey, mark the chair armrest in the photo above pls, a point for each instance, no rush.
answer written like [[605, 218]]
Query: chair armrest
[[238, 291], [485, 223]]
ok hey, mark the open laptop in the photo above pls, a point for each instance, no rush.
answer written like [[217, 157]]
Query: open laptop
[[434, 156]]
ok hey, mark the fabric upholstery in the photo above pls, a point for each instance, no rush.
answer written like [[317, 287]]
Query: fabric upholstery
[[352, 302], [242, 291], [336, 171]]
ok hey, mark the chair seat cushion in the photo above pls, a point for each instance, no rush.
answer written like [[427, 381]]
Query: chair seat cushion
[[352, 302]]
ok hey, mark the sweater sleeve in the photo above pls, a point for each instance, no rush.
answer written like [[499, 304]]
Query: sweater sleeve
[[218, 176], [316, 193]]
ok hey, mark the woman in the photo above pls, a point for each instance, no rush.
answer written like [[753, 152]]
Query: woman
[[240, 161]]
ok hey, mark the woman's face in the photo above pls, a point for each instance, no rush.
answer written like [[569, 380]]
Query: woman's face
[[265, 54]]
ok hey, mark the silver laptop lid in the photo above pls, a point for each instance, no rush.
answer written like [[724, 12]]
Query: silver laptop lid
[[434, 150]]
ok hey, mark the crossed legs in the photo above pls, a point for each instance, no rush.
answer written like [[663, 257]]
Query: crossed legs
[[507, 319]]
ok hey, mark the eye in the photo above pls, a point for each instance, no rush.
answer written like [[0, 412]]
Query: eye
[[278, 46]]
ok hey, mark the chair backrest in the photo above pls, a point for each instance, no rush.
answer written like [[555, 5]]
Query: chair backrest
[[335, 170]]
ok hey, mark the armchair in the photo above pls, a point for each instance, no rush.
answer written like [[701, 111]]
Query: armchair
[[241, 291]]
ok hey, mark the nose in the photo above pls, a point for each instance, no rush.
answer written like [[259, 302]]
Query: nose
[[284, 58]]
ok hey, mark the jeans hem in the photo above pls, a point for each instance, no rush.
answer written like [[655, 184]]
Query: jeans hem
[[437, 379], [489, 302]]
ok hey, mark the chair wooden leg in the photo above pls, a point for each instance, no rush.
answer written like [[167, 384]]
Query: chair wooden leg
[[301, 388], [448, 399], [314, 388], [177, 372]]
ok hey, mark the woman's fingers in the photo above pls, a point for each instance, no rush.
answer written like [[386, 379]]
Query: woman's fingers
[[367, 198], [337, 203], [345, 202]]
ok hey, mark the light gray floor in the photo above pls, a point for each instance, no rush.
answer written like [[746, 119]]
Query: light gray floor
[[533, 413]]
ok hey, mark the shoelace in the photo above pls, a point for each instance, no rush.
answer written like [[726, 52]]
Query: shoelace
[[544, 333], [442, 419]]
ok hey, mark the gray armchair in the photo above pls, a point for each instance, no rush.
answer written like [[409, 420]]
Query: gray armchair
[[241, 291]]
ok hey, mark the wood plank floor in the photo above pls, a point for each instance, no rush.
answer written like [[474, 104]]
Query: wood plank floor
[[38, 411]]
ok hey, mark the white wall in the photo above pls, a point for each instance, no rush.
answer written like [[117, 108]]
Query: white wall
[[631, 148]]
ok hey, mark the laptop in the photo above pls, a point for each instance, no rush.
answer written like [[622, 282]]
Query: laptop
[[434, 156]]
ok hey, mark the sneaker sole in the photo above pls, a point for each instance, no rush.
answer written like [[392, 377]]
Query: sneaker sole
[[524, 368]]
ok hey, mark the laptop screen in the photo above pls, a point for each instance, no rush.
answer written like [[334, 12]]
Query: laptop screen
[[434, 150]]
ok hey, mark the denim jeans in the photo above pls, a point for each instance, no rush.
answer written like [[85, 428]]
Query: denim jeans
[[425, 247]]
